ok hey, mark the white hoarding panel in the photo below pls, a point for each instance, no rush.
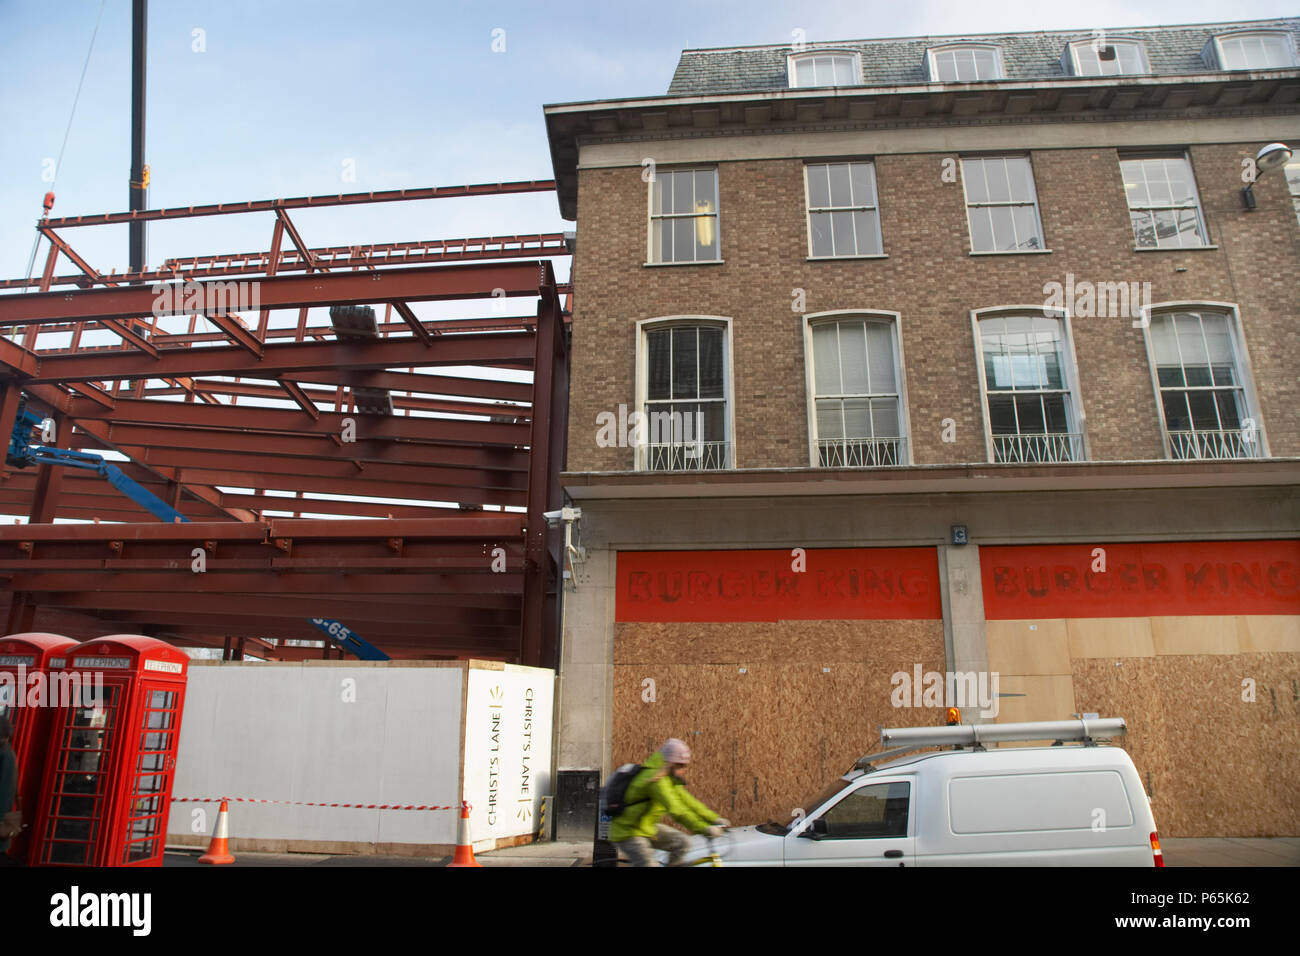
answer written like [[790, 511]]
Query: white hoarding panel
[[507, 750]]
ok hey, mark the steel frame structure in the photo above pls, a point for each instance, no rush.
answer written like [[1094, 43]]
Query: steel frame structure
[[463, 565]]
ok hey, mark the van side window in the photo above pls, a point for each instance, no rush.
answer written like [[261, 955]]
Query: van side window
[[875, 811]]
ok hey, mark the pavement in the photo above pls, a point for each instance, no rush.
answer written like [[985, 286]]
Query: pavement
[[1231, 851], [532, 854], [1178, 852]]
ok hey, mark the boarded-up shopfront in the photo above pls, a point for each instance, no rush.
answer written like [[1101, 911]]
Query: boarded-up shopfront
[[779, 666], [1196, 644], [774, 665]]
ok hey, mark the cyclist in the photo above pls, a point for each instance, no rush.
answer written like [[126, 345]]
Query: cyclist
[[658, 790]]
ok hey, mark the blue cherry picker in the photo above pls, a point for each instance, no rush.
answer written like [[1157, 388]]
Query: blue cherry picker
[[25, 450]]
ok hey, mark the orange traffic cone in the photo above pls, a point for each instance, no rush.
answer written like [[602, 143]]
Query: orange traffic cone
[[219, 848], [464, 855]]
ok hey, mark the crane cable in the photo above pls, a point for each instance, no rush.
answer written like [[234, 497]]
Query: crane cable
[[31, 264]]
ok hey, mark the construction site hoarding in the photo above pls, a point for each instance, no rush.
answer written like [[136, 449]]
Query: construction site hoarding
[[363, 757]]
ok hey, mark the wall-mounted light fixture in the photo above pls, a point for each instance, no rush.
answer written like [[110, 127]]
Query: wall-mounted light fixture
[[1270, 157]]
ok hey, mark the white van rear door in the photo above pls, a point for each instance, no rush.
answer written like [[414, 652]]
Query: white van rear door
[[870, 823]]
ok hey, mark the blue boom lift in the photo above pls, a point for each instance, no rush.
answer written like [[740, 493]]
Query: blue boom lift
[[23, 452]]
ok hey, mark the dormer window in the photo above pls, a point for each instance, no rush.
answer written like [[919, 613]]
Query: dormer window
[[965, 63], [825, 69], [1102, 56], [1250, 51]]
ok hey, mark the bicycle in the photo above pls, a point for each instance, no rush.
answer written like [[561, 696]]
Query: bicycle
[[714, 855], [715, 849]]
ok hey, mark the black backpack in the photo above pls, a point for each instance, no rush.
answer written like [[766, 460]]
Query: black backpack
[[614, 796]]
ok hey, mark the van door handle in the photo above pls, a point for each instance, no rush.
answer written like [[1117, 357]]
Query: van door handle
[[893, 854]]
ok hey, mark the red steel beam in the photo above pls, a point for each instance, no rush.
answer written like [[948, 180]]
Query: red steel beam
[[97, 432], [237, 332], [130, 337], [403, 642], [341, 199], [304, 252], [360, 486], [435, 529], [354, 609], [543, 488], [476, 590], [251, 420], [473, 556], [59, 243], [248, 389], [93, 392], [505, 467], [296, 392], [412, 320], [525, 246], [506, 349], [426, 384], [17, 360], [327, 506], [434, 283], [441, 480], [371, 480]]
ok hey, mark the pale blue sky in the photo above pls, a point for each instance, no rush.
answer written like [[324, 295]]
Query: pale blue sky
[[411, 91]]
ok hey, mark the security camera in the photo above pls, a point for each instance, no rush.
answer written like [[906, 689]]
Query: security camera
[[553, 518]]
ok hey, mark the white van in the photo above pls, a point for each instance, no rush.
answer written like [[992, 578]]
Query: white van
[[1073, 803]]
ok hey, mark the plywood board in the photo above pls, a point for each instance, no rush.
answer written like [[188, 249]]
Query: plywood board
[[811, 641], [1110, 637], [1214, 764], [1261, 633], [773, 712], [1028, 647], [1199, 634], [1044, 698]]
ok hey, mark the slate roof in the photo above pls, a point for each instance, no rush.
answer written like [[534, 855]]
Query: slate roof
[[901, 62]]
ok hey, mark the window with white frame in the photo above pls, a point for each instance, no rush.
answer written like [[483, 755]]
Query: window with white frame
[[1293, 184], [1254, 51], [843, 218], [825, 69], [1202, 386], [858, 418], [1163, 205], [684, 216], [965, 64], [1001, 204], [1030, 402], [685, 407], [1106, 57]]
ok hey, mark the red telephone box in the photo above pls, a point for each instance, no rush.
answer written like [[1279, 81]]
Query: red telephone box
[[108, 776], [26, 698]]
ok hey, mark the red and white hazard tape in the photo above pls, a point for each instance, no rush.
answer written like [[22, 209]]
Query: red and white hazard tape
[[304, 803]]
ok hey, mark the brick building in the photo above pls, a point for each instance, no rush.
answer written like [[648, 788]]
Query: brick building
[[941, 355]]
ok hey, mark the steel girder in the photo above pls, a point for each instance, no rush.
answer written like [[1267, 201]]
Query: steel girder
[[450, 581]]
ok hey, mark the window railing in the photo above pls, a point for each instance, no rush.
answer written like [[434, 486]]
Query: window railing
[[861, 452], [1228, 443], [688, 456], [1034, 449]]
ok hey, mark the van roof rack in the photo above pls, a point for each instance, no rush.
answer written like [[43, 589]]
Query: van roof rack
[[907, 739]]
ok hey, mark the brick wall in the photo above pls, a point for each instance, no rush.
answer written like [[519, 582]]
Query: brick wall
[[933, 282]]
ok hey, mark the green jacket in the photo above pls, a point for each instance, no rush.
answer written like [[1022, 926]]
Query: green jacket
[[649, 800]]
